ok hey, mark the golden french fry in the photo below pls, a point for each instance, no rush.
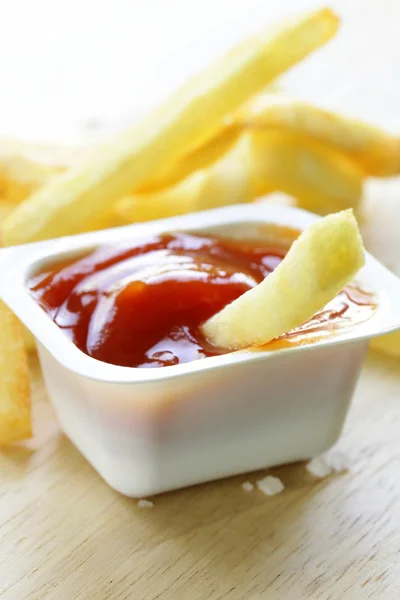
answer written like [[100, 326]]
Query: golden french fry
[[204, 155], [388, 344], [198, 158], [192, 115], [6, 208], [320, 178], [25, 167], [15, 412], [20, 177], [328, 255], [375, 151], [29, 340], [234, 178], [229, 180], [176, 200]]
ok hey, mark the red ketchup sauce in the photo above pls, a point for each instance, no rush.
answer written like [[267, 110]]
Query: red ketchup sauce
[[142, 304]]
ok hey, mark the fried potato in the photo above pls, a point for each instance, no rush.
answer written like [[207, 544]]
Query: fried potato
[[19, 177], [229, 180], [375, 151], [324, 258], [388, 344], [244, 172], [198, 158], [204, 155], [234, 178], [29, 340], [320, 178], [135, 208], [6, 208], [192, 115], [15, 412], [25, 167]]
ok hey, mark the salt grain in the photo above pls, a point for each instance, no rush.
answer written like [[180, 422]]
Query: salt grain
[[334, 461], [270, 485], [248, 486], [338, 460], [319, 467], [145, 503]]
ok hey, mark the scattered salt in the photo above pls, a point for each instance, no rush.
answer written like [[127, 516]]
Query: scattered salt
[[270, 485], [319, 467], [145, 503], [248, 486], [338, 460], [334, 461]]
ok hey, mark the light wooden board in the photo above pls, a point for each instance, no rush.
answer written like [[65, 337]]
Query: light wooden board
[[65, 535]]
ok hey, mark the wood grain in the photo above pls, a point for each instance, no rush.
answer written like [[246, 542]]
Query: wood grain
[[65, 535]]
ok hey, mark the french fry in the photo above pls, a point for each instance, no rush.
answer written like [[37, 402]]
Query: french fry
[[135, 208], [29, 340], [234, 178], [246, 170], [5, 209], [192, 115], [327, 255], [388, 344], [15, 413], [25, 167], [229, 180], [204, 155], [375, 151], [198, 158], [320, 178], [19, 177]]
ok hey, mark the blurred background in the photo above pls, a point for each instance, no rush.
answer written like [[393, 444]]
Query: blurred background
[[69, 68], [75, 71]]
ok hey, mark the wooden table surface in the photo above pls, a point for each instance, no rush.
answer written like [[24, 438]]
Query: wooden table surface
[[65, 535]]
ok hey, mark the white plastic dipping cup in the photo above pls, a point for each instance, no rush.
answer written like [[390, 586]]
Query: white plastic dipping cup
[[148, 431]]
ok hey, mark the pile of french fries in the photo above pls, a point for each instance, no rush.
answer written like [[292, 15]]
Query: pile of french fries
[[229, 136]]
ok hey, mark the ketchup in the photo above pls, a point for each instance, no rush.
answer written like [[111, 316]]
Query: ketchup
[[142, 304]]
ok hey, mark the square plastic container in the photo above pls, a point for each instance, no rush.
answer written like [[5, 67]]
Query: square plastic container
[[147, 431]]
